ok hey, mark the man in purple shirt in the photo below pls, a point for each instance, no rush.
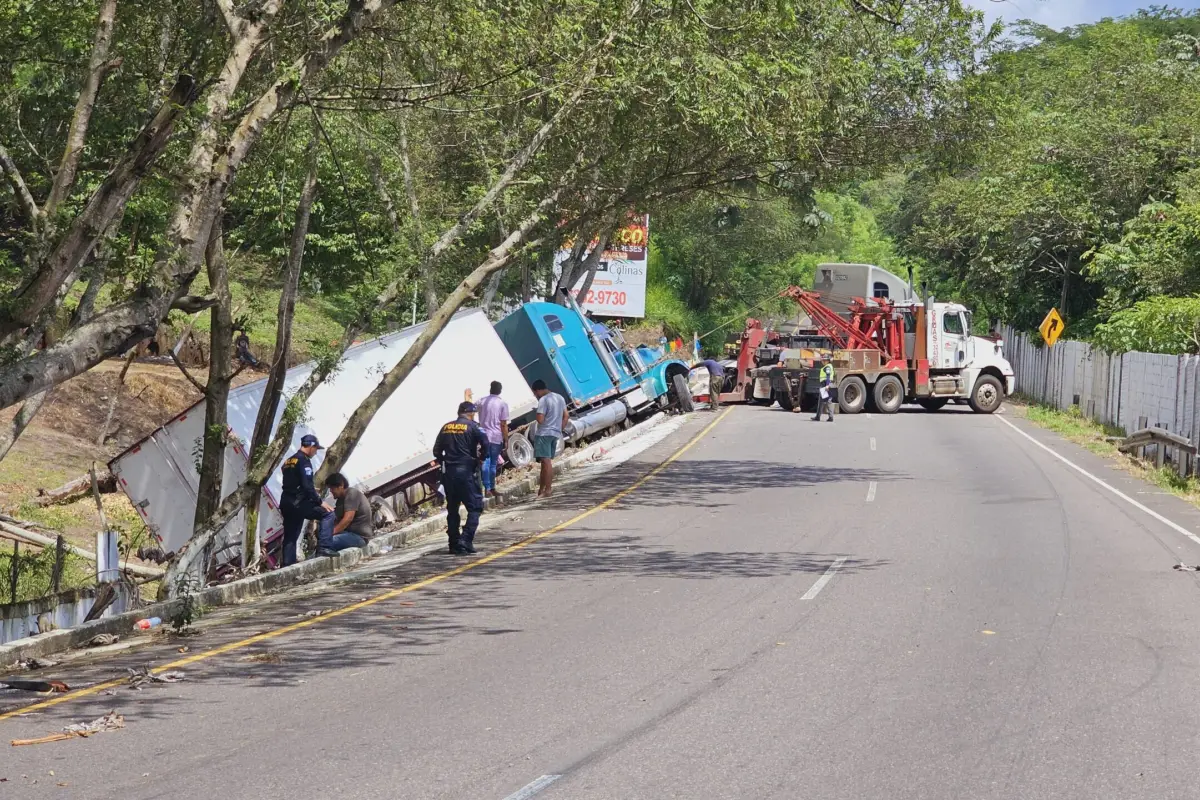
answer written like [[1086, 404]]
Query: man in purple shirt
[[493, 418]]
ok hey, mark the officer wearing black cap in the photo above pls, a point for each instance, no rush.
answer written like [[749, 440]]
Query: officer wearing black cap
[[300, 502], [460, 448]]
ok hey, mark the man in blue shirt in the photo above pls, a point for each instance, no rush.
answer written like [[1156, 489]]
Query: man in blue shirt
[[460, 448], [716, 382], [300, 502]]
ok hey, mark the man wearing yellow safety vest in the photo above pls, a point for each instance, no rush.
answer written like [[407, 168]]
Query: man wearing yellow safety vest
[[824, 389]]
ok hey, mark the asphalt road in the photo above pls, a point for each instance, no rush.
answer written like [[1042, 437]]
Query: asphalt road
[[915, 606]]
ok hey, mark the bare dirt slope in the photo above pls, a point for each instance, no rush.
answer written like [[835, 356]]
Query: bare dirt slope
[[62, 442]]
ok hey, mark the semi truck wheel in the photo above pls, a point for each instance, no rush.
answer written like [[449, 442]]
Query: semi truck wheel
[[933, 403], [785, 400], [683, 394], [852, 395], [889, 394], [519, 452], [987, 395]]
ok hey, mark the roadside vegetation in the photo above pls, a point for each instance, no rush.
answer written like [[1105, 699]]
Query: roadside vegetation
[[1099, 439]]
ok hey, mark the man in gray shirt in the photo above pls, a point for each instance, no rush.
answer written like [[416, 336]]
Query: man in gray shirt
[[552, 420], [354, 518]]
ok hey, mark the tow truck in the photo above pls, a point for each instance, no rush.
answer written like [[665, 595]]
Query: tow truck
[[889, 353]]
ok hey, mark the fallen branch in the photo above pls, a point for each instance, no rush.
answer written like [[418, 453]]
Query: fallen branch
[[75, 489]]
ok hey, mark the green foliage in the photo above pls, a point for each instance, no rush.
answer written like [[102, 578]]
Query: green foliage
[[35, 570], [1072, 135], [1156, 325]]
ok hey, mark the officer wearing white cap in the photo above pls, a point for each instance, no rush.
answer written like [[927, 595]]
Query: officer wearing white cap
[[460, 448], [301, 502]]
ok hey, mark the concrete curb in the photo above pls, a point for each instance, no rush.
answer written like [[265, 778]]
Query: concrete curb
[[299, 574]]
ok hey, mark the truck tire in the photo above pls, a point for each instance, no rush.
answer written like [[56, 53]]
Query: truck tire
[[852, 395], [987, 395], [683, 394], [933, 403], [889, 394], [785, 400], [519, 452], [383, 512]]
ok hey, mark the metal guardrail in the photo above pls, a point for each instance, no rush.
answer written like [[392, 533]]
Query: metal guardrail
[[1168, 447]]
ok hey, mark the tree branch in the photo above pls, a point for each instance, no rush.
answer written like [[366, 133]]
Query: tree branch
[[98, 68], [191, 378], [105, 204], [25, 200], [232, 21], [863, 6]]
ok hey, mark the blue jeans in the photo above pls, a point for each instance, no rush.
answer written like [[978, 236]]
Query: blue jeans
[[491, 465], [346, 540], [293, 526]]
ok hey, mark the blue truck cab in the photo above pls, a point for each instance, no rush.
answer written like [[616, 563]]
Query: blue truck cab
[[604, 380]]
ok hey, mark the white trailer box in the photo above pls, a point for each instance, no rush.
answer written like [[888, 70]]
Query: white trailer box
[[160, 474]]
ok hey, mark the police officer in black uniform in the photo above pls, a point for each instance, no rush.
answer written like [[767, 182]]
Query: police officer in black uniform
[[300, 502], [460, 448]]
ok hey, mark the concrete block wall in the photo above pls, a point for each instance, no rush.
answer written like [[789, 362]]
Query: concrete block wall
[[1125, 390]]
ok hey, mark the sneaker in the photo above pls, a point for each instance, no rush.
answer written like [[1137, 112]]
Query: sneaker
[[469, 549], [325, 552]]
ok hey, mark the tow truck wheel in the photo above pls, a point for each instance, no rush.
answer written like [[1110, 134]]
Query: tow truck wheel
[[933, 403], [852, 395], [889, 394], [987, 395]]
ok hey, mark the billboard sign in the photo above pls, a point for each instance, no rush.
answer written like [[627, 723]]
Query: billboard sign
[[619, 288]]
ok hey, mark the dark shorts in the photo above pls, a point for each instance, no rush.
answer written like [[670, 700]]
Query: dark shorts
[[544, 446]]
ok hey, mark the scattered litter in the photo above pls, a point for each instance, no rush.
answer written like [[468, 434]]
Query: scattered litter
[[37, 663], [385, 550], [142, 675], [109, 722], [184, 649], [989, 633], [48, 687], [407, 603], [147, 624], [102, 640], [315, 613], [1186, 568], [265, 657]]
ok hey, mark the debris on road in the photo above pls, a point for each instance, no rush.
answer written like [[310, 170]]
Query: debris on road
[[142, 675], [48, 687], [102, 640], [1186, 568], [36, 663], [109, 722], [315, 613]]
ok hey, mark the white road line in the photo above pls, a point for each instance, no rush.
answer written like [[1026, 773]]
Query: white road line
[[1172, 525], [824, 579], [872, 443], [871, 492], [533, 788]]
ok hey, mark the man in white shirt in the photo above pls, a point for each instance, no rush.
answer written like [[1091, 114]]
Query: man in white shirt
[[552, 420], [493, 418]]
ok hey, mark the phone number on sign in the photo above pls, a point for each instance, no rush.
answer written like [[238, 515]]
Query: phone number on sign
[[605, 298]]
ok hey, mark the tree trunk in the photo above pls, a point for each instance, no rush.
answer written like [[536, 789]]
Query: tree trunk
[[287, 309], [356, 425], [220, 376], [116, 398], [98, 67], [429, 278], [593, 260], [106, 202]]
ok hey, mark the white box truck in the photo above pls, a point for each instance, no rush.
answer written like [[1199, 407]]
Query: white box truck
[[160, 474]]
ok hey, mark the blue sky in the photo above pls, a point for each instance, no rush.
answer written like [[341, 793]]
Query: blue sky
[[1061, 13]]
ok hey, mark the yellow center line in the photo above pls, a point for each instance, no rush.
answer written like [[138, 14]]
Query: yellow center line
[[388, 595]]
